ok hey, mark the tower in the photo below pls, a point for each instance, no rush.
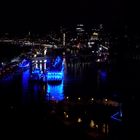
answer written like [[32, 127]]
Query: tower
[[64, 39]]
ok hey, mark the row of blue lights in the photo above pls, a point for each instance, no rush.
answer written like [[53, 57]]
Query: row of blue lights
[[24, 63], [54, 75]]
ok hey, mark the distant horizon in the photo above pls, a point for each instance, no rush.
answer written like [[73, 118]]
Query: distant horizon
[[39, 16]]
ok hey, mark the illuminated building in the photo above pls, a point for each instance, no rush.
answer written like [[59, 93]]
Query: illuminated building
[[80, 29], [24, 64], [64, 39], [55, 72], [50, 70]]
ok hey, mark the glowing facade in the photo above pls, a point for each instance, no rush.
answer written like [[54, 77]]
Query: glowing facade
[[24, 64], [55, 72], [52, 71]]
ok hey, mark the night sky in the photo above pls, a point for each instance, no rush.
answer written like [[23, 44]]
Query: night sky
[[38, 15]]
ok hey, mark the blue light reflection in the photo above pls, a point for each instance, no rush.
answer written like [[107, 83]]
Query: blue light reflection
[[25, 86], [55, 92], [25, 80], [103, 75]]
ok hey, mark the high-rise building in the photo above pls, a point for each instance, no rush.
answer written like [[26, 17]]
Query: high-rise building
[[80, 29], [64, 39]]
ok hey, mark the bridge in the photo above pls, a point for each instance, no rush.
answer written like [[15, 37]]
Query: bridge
[[28, 43]]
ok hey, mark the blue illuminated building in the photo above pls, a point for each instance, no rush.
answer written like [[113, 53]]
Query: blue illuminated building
[[55, 72], [24, 64], [54, 76], [52, 71]]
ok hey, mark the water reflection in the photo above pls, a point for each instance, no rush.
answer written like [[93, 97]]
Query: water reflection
[[55, 92], [25, 80], [25, 86], [81, 107], [103, 74]]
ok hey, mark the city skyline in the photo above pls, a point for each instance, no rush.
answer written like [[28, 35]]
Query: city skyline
[[71, 67]]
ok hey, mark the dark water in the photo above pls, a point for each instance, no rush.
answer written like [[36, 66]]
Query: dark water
[[80, 79], [29, 104]]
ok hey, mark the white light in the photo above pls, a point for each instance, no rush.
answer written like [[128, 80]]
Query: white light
[[45, 60], [96, 126], [96, 34], [40, 61], [106, 100], [100, 48], [92, 43], [67, 97], [79, 120], [92, 124], [79, 98], [105, 47], [45, 52], [67, 116], [36, 61], [92, 99], [45, 66], [41, 67], [36, 66]]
